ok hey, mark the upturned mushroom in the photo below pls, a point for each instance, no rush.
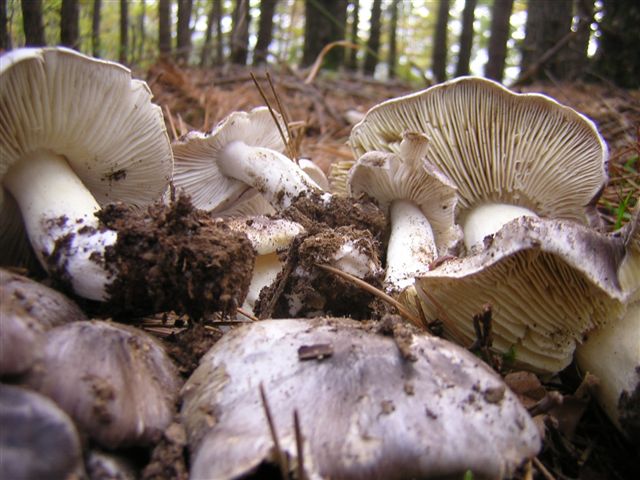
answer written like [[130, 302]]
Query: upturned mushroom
[[242, 153], [420, 203], [76, 133], [115, 381], [612, 352], [366, 408], [548, 282], [509, 155]]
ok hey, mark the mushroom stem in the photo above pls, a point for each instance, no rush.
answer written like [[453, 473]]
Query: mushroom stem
[[488, 218], [274, 175], [411, 247], [59, 215]]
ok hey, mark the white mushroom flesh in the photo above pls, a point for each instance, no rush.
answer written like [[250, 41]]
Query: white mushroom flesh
[[57, 207], [486, 219]]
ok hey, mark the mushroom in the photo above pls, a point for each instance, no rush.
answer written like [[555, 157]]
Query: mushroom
[[115, 381], [242, 152], [268, 237], [548, 282], [419, 201], [612, 352], [76, 133], [27, 311], [365, 409], [37, 439], [508, 154]]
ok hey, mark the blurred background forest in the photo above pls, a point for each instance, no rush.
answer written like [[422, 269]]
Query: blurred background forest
[[421, 41]]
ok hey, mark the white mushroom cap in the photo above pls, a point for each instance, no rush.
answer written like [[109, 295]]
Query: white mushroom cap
[[496, 146], [243, 151], [75, 133], [365, 410], [89, 111], [548, 282]]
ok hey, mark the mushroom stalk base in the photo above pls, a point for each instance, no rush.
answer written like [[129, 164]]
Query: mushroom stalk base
[[59, 216], [275, 176], [488, 218], [411, 247]]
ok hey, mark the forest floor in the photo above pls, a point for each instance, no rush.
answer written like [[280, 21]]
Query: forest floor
[[580, 442]]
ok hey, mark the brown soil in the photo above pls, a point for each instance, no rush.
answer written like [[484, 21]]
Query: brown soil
[[175, 258]]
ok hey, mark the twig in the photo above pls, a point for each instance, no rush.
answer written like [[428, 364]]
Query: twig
[[318, 63], [174, 132], [542, 469], [249, 315], [299, 446], [285, 140], [533, 69], [285, 118], [281, 457], [402, 310]]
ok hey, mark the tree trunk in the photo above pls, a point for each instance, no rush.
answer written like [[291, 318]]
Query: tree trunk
[[95, 29], [547, 24], [497, 51], [5, 38], [352, 58], [466, 38], [265, 31], [164, 27], [393, 45], [32, 23], [69, 13], [373, 43], [124, 31], [240, 32], [439, 60], [183, 34], [217, 5], [324, 23], [208, 34], [617, 57], [142, 34], [577, 60]]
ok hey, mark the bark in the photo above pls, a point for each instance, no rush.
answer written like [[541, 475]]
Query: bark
[[617, 57], [208, 34], [217, 5], [393, 44], [95, 28], [240, 33], [439, 60], [547, 24], [373, 43], [5, 38], [183, 34], [577, 60], [124, 32], [324, 23], [164, 27], [142, 37], [69, 17], [32, 23], [466, 37], [497, 51], [265, 31], [352, 58]]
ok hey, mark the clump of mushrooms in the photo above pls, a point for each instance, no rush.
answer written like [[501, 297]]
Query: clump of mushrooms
[[508, 154], [75, 133], [115, 381], [367, 407]]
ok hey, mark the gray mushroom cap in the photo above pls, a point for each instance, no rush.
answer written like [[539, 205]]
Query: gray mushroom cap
[[37, 439], [497, 146], [548, 282], [365, 410], [115, 381]]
